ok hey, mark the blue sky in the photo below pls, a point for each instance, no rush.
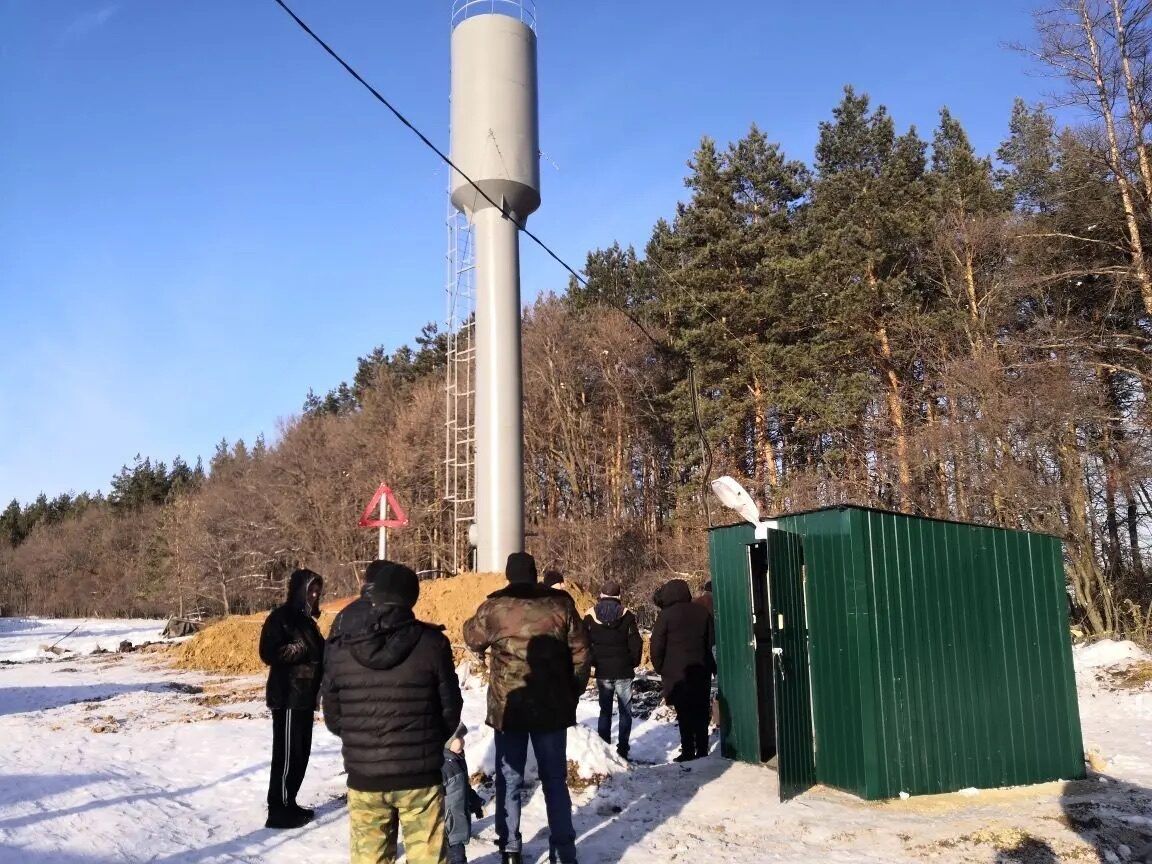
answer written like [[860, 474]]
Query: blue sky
[[202, 216]]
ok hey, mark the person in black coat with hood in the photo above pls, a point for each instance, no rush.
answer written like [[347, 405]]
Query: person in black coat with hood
[[682, 643], [616, 646], [293, 649], [358, 613], [391, 696]]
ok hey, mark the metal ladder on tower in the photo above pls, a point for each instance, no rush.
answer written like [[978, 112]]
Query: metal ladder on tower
[[460, 389]]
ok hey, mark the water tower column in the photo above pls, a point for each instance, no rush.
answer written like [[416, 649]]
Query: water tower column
[[499, 399]]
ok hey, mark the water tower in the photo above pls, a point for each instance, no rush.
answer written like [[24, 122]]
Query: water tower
[[496, 142]]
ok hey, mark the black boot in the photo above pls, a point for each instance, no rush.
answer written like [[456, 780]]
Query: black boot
[[304, 812], [511, 858], [282, 817]]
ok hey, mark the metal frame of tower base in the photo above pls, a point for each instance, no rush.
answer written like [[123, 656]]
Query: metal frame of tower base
[[460, 389]]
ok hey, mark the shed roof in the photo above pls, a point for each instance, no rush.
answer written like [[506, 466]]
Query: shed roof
[[866, 508]]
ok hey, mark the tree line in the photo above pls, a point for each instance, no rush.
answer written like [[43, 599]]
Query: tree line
[[901, 322]]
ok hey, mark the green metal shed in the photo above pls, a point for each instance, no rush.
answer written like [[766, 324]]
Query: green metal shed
[[882, 653]]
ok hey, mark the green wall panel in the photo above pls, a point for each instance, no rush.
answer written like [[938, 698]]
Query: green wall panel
[[735, 652]]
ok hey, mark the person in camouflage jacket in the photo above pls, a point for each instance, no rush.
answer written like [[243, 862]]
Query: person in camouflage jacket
[[539, 666]]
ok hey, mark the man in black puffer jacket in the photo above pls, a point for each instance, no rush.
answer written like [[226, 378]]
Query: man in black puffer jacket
[[616, 646], [293, 649], [357, 614], [682, 655], [392, 697]]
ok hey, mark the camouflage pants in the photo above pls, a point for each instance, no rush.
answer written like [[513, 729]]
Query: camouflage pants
[[375, 818]]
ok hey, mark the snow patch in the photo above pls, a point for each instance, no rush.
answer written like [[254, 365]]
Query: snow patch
[[1107, 652], [593, 758], [24, 640]]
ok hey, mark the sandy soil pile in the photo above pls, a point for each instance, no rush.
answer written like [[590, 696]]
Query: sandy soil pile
[[453, 601], [231, 645]]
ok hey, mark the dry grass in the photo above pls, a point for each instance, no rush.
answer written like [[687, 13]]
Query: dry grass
[[1134, 677], [577, 783], [1012, 844]]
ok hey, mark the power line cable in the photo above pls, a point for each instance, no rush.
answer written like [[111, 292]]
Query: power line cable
[[521, 226], [424, 138]]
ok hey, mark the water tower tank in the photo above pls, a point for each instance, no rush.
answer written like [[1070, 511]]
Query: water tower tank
[[495, 123]]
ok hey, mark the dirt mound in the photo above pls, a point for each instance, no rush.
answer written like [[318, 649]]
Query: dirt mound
[[453, 601], [231, 645]]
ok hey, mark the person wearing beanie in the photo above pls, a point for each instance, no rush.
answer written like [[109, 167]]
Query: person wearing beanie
[[616, 646], [356, 614], [461, 802], [293, 649], [538, 668], [391, 696]]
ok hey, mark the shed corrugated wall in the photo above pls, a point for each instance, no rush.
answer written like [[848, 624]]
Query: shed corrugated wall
[[838, 652], [973, 677], [941, 656]]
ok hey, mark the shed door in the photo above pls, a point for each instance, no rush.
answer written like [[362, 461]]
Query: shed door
[[735, 644], [794, 737]]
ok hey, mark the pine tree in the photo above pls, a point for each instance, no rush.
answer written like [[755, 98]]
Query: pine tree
[[721, 273], [12, 529], [1029, 155], [868, 224]]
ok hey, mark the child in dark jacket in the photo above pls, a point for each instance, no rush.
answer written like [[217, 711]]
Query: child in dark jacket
[[460, 801]]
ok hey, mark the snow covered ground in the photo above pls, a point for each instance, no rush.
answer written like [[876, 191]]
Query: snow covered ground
[[120, 758], [24, 639]]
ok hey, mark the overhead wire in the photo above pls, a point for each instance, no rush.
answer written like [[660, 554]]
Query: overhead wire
[[523, 228], [519, 223]]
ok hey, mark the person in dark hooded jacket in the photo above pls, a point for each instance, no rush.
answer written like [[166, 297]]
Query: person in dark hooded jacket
[[391, 696], [616, 647], [293, 649], [682, 643], [358, 613]]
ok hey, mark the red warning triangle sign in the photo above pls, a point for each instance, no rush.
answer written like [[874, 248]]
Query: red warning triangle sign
[[397, 517]]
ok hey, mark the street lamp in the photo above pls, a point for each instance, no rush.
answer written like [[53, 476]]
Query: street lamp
[[736, 498]]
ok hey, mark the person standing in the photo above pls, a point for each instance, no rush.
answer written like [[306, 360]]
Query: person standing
[[539, 667], [682, 643], [293, 649], [391, 696], [616, 646]]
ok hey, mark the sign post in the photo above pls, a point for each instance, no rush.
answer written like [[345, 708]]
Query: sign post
[[382, 552], [385, 499]]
